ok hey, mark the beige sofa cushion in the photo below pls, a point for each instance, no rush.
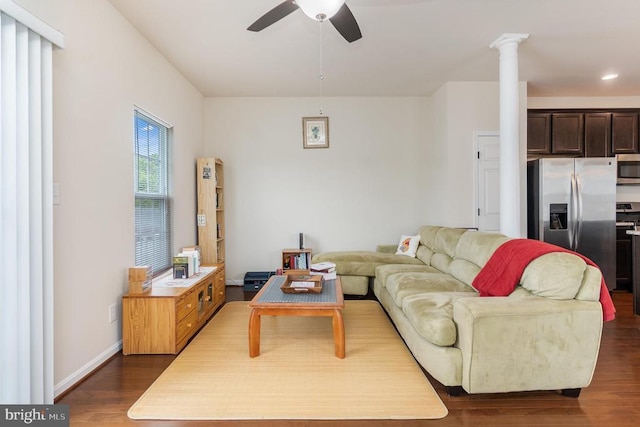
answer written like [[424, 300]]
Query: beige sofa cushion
[[556, 275], [427, 240], [444, 247], [384, 271], [472, 253], [428, 235], [591, 285], [431, 315], [477, 247], [401, 285], [362, 263]]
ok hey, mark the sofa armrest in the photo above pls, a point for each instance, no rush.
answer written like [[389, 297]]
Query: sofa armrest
[[530, 343], [387, 249]]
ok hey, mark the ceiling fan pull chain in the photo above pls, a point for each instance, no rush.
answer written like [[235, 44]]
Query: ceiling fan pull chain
[[321, 75]]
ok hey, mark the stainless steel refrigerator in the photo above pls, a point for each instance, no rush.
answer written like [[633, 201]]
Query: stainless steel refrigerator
[[571, 202]]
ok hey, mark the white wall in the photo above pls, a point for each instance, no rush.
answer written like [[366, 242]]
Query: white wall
[[368, 188], [105, 69], [393, 165], [461, 109]]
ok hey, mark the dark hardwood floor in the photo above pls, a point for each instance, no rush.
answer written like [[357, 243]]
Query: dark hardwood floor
[[611, 400]]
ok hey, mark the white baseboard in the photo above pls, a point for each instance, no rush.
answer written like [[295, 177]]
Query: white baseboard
[[81, 373], [232, 282]]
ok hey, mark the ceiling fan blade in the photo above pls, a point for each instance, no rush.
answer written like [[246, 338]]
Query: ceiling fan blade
[[346, 24], [274, 15]]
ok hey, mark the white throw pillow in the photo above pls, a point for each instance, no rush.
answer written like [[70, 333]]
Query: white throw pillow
[[408, 245]]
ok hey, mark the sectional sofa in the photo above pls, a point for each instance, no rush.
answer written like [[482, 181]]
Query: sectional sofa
[[531, 320]]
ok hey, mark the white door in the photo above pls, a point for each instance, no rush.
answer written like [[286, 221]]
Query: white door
[[488, 181]]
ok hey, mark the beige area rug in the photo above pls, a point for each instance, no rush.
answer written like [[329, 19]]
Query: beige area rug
[[296, 375]]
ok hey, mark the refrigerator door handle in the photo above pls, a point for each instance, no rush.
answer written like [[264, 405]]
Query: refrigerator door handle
[[578, 225], [573, 204]]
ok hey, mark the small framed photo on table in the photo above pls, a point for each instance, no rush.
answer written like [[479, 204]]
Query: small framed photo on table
[[315, 132]]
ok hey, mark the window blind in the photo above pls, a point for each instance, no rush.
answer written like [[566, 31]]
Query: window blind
[[26, 206], [153, 204]]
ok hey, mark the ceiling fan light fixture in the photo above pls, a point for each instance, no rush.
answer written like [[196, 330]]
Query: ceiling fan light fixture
[[320, 10]]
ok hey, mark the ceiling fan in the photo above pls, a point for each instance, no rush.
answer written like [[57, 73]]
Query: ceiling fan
[[335, 11]]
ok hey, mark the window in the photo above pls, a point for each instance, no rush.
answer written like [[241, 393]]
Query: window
[[153, 211]]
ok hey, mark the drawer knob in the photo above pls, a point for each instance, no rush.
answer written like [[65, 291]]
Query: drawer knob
[[188, 305], [188, 325]]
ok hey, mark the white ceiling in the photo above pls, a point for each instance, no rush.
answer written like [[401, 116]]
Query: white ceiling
[[409, 47]]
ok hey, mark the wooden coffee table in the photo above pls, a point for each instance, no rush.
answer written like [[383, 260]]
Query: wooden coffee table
[[271, 301]]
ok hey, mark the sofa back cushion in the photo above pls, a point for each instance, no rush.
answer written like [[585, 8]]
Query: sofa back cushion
[[444, 247], [557, 275], [478, 246], [428, 235], [427, 238], [472, 253]]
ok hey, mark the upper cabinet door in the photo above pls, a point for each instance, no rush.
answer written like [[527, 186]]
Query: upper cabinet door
[[567, 133], [624, 134], [539, 133], [597, 134]]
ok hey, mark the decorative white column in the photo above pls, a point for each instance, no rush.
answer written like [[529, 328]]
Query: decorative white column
[[507, 44]]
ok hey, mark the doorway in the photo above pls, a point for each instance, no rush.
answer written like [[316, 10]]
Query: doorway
[[487, 165]]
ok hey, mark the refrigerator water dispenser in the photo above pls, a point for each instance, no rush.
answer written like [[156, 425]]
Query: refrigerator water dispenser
[[558, 216]]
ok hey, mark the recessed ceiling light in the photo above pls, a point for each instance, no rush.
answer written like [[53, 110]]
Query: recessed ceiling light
[[609, 77]]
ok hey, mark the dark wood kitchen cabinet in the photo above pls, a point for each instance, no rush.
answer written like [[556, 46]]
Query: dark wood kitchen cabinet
[[624, 133], [567, 133], [539, 133], [588, 132], [597, 134]]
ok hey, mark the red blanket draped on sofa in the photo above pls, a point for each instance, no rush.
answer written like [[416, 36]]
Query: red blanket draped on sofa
[[501, 274]]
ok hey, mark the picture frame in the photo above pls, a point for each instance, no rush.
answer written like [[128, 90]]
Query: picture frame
[[315, 132]]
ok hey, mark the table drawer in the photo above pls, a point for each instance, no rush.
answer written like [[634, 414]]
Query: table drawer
[[187, 326], [186, 305]]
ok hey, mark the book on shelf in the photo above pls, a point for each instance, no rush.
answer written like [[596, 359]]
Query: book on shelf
[[183, 265], [302, 261], [180, 271]]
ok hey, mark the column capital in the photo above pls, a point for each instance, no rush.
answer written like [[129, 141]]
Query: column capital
[[508, 38]]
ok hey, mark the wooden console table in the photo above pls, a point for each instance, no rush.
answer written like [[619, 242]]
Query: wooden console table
[[163, 319]]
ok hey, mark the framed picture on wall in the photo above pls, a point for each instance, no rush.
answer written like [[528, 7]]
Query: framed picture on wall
[[315, 132]]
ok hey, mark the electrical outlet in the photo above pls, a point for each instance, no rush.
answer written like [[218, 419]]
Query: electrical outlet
[[113, 313]]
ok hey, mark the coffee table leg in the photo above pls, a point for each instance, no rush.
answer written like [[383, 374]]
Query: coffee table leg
[[254, 333], [338, 333]]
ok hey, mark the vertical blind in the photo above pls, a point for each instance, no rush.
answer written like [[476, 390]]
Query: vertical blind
[[26, 211], [153, 242]]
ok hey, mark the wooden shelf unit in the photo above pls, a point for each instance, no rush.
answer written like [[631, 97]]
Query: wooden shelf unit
[[211, 231], [291, 261], [162, 320]]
